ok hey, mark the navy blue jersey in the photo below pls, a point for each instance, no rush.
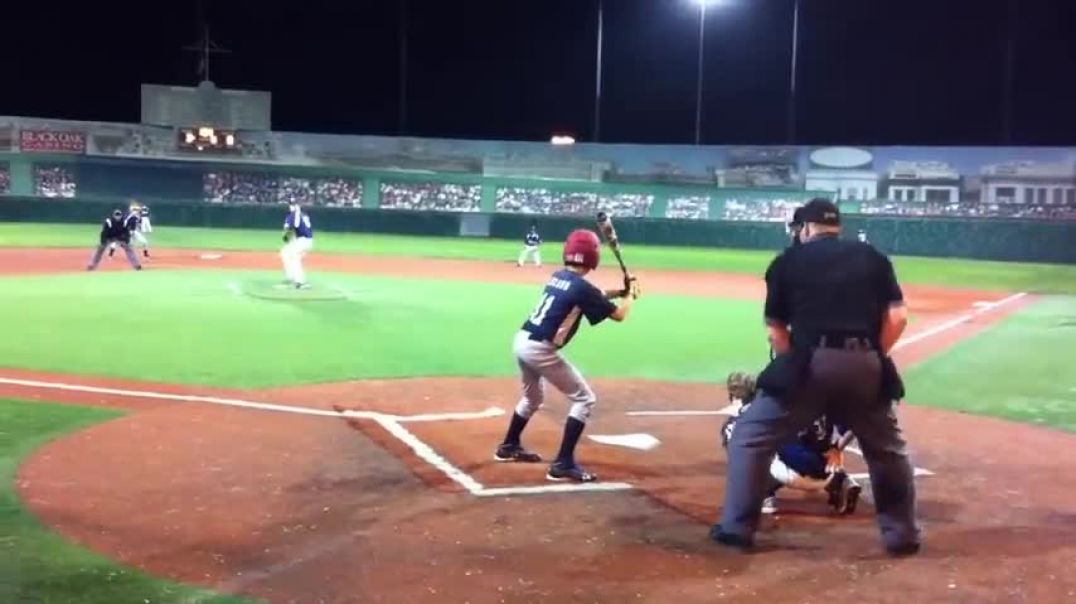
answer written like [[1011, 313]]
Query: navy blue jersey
[[821, 435], [566, 299], [299, 222], [818, 438], [532, 239], [143, 212], [131, 221], [114, 229]]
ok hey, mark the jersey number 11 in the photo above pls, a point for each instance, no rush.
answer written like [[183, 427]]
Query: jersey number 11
[[538, 316]]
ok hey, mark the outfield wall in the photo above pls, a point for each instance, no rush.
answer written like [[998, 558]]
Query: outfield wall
[[993, 239]]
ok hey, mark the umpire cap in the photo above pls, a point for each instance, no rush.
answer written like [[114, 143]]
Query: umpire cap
[[820, 211]]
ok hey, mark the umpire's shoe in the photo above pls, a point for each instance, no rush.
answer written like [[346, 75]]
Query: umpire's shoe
[[515, 452], [730, 540]]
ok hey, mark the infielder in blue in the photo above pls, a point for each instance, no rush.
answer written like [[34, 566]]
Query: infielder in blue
[[298, 240], [530, 247], [565, 300]]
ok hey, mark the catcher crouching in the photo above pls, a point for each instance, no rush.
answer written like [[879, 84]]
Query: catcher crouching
[[813, 463]]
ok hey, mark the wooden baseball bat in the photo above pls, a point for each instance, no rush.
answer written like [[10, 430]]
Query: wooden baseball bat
[[608, 232]]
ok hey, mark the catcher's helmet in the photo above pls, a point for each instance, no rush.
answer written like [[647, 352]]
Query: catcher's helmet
[[741, 386], [582, 248]]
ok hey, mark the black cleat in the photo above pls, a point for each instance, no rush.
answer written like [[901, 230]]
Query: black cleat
[[851, 498], [509, 452], [843, 493], [145, 253], [836, 489], [561, 471]]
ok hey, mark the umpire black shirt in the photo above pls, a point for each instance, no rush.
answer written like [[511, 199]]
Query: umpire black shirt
[[831, 286], [115, 229]]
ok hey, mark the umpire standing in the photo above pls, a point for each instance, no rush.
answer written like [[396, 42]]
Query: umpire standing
[[833, 310], [117, 229]]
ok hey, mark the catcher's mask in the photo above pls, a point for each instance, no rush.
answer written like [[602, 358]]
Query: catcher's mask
[[740, 386]]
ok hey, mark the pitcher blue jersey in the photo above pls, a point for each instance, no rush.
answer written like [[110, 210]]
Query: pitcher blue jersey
[[532, 239], [566, 299], [299, 222]]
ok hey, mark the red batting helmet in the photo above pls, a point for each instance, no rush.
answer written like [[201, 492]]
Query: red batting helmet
[[583, 248]]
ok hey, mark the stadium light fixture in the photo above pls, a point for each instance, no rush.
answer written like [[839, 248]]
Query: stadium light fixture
[[562, 139], [703, 5]]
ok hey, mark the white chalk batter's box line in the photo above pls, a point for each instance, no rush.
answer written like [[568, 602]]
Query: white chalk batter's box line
[[393, 424]]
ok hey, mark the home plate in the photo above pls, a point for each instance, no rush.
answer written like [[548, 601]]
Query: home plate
[[642, 442], [211, 256]]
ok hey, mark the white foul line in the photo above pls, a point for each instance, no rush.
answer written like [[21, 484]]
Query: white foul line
[[389, 422], [588, 487], [981, 309]]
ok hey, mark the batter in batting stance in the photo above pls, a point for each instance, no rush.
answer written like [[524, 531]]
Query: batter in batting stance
[[114, 229], [565, 300], [845, 310]]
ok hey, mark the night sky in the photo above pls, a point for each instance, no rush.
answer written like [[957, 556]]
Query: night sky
[[870, 71]]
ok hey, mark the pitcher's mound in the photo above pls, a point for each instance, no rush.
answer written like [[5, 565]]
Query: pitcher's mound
[[287, 292]]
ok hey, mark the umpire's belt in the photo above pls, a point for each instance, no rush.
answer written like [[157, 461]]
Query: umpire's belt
[[845, 342]]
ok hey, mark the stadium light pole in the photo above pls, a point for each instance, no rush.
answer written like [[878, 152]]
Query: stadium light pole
[[401, 112], [792, 73], [698, 79], [598, 76]]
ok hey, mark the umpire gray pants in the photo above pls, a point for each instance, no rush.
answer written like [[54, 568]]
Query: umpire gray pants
[[844, 385], [99, 251]]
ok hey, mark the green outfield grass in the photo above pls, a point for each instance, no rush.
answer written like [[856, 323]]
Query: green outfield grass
[[203, 327], [39, 566], [235, 329], [1000, 276], [1021, 369]]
